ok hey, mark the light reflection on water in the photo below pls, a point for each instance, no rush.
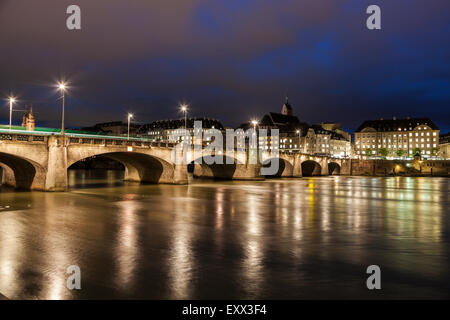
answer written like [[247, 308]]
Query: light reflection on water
[[284, 238]]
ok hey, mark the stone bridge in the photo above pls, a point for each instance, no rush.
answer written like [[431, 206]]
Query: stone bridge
[[40, 161]]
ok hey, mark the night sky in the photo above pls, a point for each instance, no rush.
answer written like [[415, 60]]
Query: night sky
[[231, 60]]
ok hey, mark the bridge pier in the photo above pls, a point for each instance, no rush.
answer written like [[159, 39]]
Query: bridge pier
[[346, 167], [251, 168], [56, 176], [180, 174], [324, 165], [297, 171], [7, 175], [248, 172]]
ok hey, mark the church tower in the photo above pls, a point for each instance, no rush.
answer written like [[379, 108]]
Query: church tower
[[28, 120], [286, 109]]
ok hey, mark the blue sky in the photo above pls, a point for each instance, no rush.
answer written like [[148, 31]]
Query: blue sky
[[230, 60]]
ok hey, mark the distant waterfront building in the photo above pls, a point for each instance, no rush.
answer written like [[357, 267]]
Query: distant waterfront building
[[171, 130], [444, 146], [297, 136], [28, 120], [397, 138], [114, 128], [290, 129], [328, 139]]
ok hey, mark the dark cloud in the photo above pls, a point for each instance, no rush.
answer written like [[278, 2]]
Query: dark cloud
[[229, 59]]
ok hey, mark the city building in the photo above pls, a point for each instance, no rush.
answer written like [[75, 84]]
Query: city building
[[328, 139], [114, 128], [444, 146], [397, 138], [297, 136], [28, 120], [291, 130], [172, 130]]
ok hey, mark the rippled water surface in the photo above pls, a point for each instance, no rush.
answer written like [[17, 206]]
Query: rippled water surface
[[294, 238]]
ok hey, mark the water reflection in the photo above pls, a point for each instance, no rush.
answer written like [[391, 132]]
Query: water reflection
[[181, 256], [127, 243], [289, 238]]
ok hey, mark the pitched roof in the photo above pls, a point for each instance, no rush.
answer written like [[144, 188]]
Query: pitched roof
[[318, 129], [284, 123], [179, 123], [394, 125]]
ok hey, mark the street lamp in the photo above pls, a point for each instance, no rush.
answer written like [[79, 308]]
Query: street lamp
[[62, 87], [299, 139], [130, 115], [11, 101], [255, 123], [184, 109]]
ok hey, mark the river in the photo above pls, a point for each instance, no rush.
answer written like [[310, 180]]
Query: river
[[309, 238]]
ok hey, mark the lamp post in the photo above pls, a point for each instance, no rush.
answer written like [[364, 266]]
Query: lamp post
[[255, 123], [11, 101], [299, 139], [130, 115], [184, 109], [62, 87]]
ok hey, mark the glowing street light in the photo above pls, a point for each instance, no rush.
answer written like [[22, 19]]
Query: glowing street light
[[11, 101], [184, 109], [62, 87], [255, 123], [299, 132], [130, 115]]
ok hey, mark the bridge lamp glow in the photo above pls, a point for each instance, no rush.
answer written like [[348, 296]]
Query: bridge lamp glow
[[62, 87], [184, 108], [130, 115], [254, 123], [299, 139], [11, 101], [129, 148]]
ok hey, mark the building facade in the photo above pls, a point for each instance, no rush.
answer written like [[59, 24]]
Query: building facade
[[397, 138], [444, 146], [173, 130], [28, 120], [117, 128], [296, 136]]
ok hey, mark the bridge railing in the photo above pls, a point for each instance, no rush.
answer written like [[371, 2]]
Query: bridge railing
[[23, 137], [15, 135]]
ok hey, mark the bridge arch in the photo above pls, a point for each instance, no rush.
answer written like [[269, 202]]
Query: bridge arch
[[224, 170], [311, 168], [285, 167], [140, 167], [21, 172], [334, 168]]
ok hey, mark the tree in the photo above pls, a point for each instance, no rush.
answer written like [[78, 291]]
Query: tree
[[384, 152], [368, 152], [417, 152], [400, 153], [434, 151]]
